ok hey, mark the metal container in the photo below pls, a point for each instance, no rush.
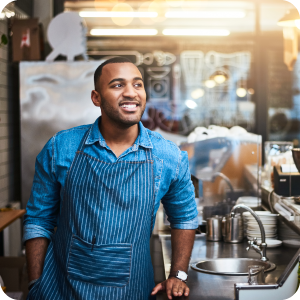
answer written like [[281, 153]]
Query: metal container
[[214, 229], [233, 229]]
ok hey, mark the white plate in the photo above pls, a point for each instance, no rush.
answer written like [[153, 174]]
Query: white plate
[[268, 236], [256, 227], [271, 243], [265, 222], [261, 214], [291, 243]]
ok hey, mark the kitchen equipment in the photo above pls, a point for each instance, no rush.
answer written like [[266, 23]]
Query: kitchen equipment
[[256, 274], [296, 199], [286, 184], [276, 154], [214, 229], [296, 157], [230, 266], [232, 228]]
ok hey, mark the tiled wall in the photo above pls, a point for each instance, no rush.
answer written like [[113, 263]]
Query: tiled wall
[[9, 126]]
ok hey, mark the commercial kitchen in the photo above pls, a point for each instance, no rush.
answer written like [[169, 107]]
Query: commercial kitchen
[[222, 83]]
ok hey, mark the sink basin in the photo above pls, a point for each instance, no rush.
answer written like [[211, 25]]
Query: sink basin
[[230, 266]]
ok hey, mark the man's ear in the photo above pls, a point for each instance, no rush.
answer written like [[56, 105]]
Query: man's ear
[[96, 98]]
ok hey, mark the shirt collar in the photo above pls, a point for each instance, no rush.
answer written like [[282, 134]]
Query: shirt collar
[[95, 135]]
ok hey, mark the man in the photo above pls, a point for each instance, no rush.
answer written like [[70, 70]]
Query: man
[[101, 186]]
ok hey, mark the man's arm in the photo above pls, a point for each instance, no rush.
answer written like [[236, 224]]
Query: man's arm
[[35, 256], [182, 245]]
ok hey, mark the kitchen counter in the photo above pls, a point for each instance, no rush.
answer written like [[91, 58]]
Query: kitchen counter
[[217, 287]]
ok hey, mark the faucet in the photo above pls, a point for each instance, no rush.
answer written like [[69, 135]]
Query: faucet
[[226, 179], [262, 248]]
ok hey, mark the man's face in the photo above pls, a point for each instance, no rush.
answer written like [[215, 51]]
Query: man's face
[[122, 93]]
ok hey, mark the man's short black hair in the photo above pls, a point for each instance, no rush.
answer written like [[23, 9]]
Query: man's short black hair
[[113, 60]]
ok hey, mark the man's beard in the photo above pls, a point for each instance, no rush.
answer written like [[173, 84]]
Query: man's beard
[[115, 115]]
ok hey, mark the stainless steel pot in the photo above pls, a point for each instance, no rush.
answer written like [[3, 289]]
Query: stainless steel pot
[[233, 229], [214, 229]]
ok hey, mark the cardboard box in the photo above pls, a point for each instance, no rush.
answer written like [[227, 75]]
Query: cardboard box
[[13, 273], [26, 40]]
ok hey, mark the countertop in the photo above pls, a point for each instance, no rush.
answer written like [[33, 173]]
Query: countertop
[[8, 217], [216, 287]]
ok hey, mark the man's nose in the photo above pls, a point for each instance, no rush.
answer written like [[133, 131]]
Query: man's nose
[[129, 91]]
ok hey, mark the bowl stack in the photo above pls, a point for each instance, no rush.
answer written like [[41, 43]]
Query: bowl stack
[[268, 220], [250, 201]]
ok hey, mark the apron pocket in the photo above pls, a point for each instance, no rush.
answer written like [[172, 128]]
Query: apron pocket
[[104, 264]]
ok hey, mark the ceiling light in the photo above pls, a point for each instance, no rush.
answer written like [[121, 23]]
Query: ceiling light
[[241, 92], [123, 32], [118, 14], [210, 83], [191, 104], [290, 19], [297, 23], [197, 93], [196, 32], [201, 14], [219, 79]]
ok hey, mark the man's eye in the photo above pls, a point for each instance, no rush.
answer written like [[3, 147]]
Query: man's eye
[[139, 84], [118, 85]]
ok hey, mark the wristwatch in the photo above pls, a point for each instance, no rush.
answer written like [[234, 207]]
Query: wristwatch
[[181, 275]]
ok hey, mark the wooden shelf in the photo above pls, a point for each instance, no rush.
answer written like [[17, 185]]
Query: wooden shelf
[[8, 217]]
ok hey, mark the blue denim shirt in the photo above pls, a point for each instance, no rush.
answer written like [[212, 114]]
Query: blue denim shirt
[[173, 185]]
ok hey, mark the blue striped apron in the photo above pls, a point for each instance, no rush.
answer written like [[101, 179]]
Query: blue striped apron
[[101, 247]]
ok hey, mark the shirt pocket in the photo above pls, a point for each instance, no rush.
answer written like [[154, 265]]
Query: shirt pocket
[[107, 265]]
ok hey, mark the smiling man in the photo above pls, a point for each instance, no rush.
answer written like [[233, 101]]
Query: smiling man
[[101, 186]]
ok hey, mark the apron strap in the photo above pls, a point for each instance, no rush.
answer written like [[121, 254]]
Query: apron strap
[[82, 143]]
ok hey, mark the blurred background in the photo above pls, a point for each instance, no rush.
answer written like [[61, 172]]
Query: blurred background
[[222, 81]]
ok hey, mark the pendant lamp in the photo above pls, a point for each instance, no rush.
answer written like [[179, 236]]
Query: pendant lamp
[[289, 19]]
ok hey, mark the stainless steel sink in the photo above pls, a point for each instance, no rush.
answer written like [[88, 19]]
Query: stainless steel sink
[[230, 266]]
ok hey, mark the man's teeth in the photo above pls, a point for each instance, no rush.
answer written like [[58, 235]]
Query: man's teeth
[[129, 105]]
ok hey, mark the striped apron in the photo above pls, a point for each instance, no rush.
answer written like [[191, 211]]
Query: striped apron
[[101, 247]]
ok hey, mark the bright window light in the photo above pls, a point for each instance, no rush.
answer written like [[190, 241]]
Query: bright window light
[[123, 32], [197, 32], [118, 14], [206, 14], [191, 104]]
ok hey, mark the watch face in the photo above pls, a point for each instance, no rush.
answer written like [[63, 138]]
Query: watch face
[[182, 275]]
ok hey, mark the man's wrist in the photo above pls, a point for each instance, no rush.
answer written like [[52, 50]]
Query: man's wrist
[[31, 283], [181, 275]]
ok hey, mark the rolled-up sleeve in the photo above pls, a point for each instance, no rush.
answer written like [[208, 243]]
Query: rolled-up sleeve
[[43, 205], [179, 202]]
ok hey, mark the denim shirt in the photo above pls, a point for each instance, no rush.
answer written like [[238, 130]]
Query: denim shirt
[[172, 179]]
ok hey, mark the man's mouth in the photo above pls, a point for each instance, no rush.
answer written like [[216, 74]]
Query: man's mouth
[[129, 106]]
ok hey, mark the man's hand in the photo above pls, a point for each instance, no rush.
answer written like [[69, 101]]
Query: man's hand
[[173, 287]]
